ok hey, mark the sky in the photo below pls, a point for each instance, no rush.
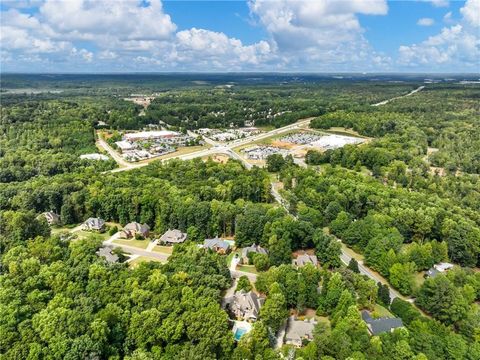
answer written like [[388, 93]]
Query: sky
[[233, 36]]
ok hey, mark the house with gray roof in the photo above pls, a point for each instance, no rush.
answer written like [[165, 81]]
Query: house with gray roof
[[299, 330], [93, 224], [133, 229], [257, 249], [304, 259], [52, 218], [381, 325], [218, 245], [244, 305], [107, 253], [439, 269], [173, 237]]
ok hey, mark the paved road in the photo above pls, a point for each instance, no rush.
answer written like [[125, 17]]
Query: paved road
[[135, 250], [399, 97], [217, 148], [366, 271]]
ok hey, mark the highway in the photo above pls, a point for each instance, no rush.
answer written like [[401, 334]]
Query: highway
[[399, 97], [217, 148], [227, 149]]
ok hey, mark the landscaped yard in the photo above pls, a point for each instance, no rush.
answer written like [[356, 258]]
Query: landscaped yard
[[134, 263], [163, 249], [380, 311], [247, 268], [142, 244]]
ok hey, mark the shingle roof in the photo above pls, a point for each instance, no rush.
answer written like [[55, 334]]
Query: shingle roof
[[380, 325], [299, 329], [106, 252], [305, 259], [216, 242], [173, 236], [137, 227], [254, 248]]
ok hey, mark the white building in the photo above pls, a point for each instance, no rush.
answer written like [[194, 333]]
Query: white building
[[94, 157]]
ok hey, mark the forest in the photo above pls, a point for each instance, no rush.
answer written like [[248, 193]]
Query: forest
[[405, 200]]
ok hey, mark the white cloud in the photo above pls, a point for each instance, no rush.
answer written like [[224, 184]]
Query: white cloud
[[447, 18], [438, 3], [425, 22], [319, 35], [471, 12], [455, 47]]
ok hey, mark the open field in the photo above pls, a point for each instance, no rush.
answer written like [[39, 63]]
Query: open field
[[135, 262], [141, 244], [163, 249]]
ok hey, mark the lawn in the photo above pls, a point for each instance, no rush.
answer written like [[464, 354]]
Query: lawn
[[380, 311], [85, 234], [247, 268], [142, 244], [134, 263], [163, 249]]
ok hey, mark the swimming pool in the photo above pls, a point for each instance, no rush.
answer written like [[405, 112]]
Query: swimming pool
[[239, 332]]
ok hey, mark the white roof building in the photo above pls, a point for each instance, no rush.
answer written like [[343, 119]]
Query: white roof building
[[146, 135], [125, 145], [94, 157]]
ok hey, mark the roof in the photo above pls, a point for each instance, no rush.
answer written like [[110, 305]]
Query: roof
[[216, 242], [432, 272], [305, 259], [444, 266], [247, 302], [173, 236], [254, 248], [299, 329], [51, 215], [381, 325], [137, 227], [150, 134], [106, 252], [94, 222], [94, 157], [125, 145]]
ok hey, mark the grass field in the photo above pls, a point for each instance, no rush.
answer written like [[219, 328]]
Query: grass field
[[134, 263], [247, 268], [141, 244], [380, 311], [163, 249]]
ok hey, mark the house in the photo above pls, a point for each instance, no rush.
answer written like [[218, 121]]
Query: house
[[52, 218], [299, 330], [94, 224], [244, 305], [133, 229], [107, 253], [173, 237], [304, 259], [381, 325], [438, 269], [218, 245], [257, 249]]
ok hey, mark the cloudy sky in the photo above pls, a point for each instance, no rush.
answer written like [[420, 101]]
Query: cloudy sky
[[253, 35]]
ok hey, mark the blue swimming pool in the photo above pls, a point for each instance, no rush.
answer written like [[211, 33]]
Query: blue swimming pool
[[239, 333]]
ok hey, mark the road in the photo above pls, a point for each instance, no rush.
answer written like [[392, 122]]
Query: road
[[399, 97], [366, 271], [217, 148], [135, 250], [228, 150]]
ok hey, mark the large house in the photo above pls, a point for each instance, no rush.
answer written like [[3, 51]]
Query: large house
[[439, 269], [257, 249], [218, 245], [244, 305], [305, 259], [107, 253], [299, 330], [52, 218], [94, 224], [173, 237], [381, 325], [133, 229]]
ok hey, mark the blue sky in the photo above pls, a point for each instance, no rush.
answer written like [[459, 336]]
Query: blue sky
[[254, 35]]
